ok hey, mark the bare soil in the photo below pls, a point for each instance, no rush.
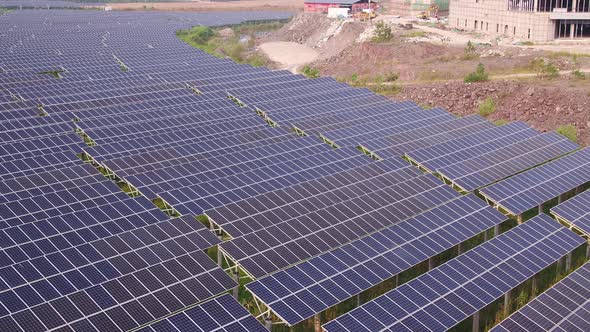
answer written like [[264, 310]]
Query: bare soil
[[208, 6], [543, 105]]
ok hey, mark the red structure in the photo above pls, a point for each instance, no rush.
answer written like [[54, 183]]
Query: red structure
[[321, 6]]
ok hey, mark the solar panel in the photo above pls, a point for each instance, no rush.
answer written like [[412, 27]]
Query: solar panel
[[322, 229], [454, 291], [563, 307], [223, 313], [311, 287], [541, 184], [474, 173], [575, 211]]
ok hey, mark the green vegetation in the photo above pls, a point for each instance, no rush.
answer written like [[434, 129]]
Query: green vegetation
[[54, 73], [383, 32], [4, 11], [310, 72], [380, 84], [479, 75], [544, 69], [470, 52], [487, 107], [415, 34], [527, 43], [500, 122], [578, 74], [568, 131], [238, 45]]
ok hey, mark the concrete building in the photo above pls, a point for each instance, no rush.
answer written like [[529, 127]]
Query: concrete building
[[534, 20], [321, 6]]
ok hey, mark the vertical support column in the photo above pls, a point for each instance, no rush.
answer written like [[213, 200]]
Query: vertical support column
[[430, 263], [475, 325], [519, 219], [496, 230], [219, 256], [358, 300], [268, 322], [558, 266], [540, 209], [572, 30], [507, 303], [560, 198], [486, 235], [236, 290], [317, 323], [568, 261], [588, 249], [534, 285], [535, 5], [396, 280], [460, 249]]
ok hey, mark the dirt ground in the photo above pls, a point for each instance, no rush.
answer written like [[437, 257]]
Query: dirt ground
[[289, 55], [207, 6], [544, 106]]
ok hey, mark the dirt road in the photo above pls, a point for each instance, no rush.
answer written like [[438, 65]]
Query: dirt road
[[290, 55], [207, 6]]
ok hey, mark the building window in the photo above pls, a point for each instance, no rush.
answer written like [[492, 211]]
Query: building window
[[514, 31], [466, 23], [497, 28], [487, 26], [475, 25], [529, 34]]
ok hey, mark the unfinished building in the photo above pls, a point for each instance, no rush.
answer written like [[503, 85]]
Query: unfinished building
[[534, 20]]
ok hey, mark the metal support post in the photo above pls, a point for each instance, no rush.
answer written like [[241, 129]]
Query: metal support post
[[475, 325], [507, 303]]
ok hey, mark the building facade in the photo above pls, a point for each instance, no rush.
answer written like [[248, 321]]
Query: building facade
[[321, 6], [534, 20]]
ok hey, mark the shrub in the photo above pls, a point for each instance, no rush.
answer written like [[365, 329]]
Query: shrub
[[568, 131], [382, 32], [201, 34], [391, 76], [470, 51], [479, 75], [578, 74], [487, 107], [310, 72], [545, 69]]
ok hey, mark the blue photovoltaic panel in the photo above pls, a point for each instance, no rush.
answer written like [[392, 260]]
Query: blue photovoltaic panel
[[221, 314], [336, 223], [563, 307], [454, 291], [541, 184], [575, 211], [311, 287], [470, 146], [474, 173]]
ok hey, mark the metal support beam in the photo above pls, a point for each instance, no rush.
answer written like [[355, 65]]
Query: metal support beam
[[496, 230], [519, 219], [460, 249], [568, 261], [588, 249], [396, 280], [268, 322], [507, 303], [486, 235], [317, 323], [219, 255], [475, 325], [236, 290], [560, 198], [430, 263], [534, 286], [540, 209], [358, 300], [558, 265]]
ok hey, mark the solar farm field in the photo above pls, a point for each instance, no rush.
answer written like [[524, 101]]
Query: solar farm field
[[148, 186]]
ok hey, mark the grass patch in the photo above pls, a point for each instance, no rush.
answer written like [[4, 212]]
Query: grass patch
[[527, 43], [54, 73], [240, 47], [544, 69], [500, 122], [487, 107], [415, 34], [568, 131], [383, 33], [578, 74], [470, 52], [479, 75], [310, 72]]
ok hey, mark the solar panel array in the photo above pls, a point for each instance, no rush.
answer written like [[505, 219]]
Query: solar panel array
[[538, 185], [563, 307], [575, 211], [454, 291], [178, 130]]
